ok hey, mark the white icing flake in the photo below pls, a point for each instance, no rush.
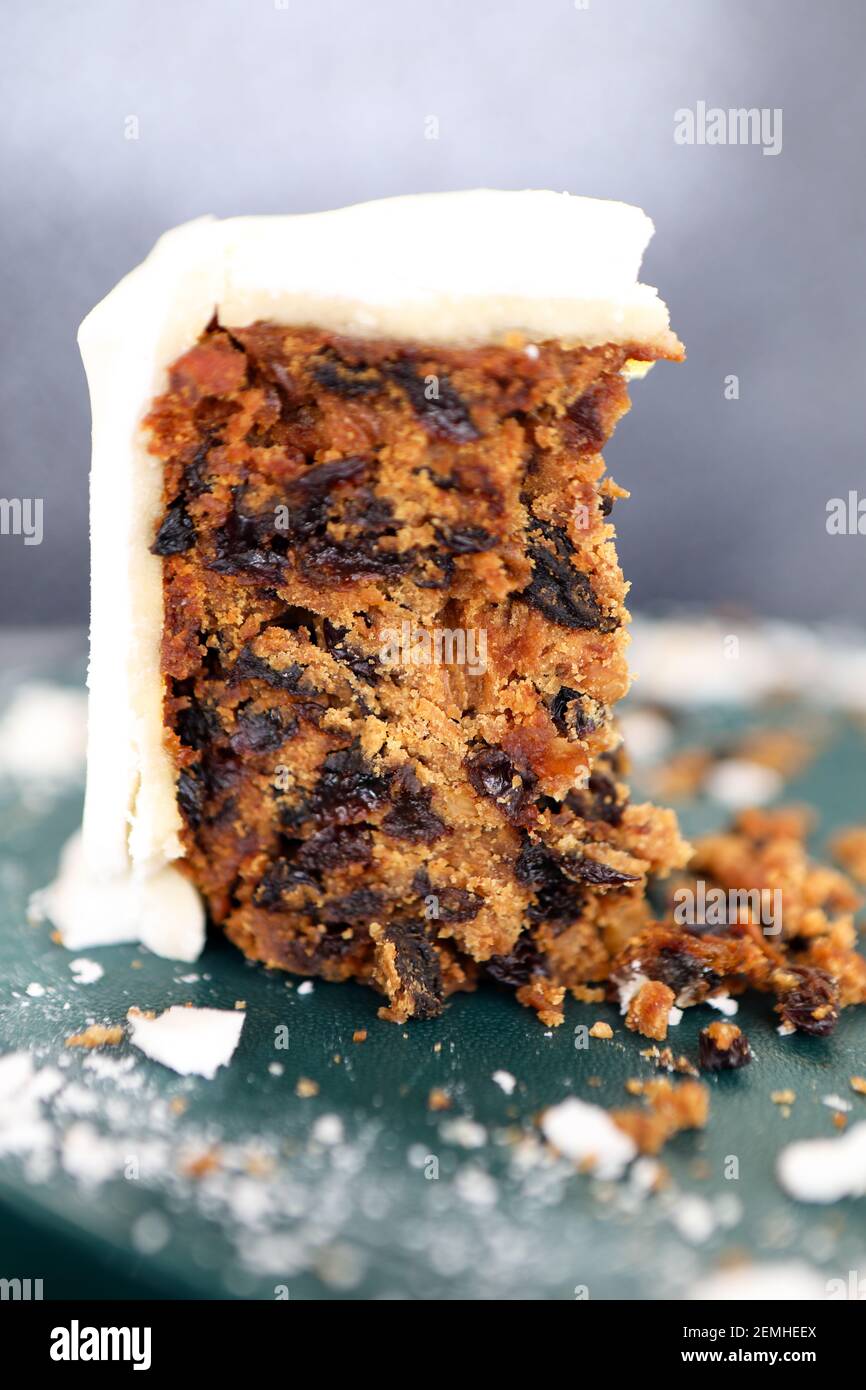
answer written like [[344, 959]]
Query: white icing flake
[[792, 1280], [836, 1102], [825, 1170], [86, 972], [588, 1136], [463, 1131], [724, 1003], [193, 1042], [738, 782]]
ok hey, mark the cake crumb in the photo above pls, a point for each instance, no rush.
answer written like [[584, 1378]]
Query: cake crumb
[[305, 1088], [202, 1164], [858, 1084], [670, 1107], [665, 1060], [848, 848], [359, 1035], [587, 994], [601, 1030], [96, 1035], [783, 1097], [649, 1010], [545, 998], [438, 1099]]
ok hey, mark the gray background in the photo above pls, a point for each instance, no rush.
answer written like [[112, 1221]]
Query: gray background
[[245, 106]]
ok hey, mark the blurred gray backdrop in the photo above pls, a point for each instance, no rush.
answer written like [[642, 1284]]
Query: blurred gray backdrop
[[296, 105]]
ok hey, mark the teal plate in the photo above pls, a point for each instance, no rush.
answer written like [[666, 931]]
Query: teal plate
[[139, 1182]]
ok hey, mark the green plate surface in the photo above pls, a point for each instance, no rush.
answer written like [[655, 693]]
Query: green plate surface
[[148, 1183]]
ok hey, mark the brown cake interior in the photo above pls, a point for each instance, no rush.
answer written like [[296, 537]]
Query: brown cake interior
[[394, 632]]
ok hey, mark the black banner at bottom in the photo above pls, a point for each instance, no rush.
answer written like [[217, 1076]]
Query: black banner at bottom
[[66, 1338]]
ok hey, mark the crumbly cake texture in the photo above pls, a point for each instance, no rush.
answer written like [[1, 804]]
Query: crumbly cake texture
[[356, 800], [806, 957]]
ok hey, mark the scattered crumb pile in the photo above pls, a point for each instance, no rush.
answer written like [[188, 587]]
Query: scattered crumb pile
[[762, 916]]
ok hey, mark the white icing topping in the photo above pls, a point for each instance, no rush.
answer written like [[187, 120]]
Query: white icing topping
[[448, 268], [162, 910]]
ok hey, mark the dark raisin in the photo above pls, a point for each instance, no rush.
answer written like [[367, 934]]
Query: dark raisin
[[518, 967], [598, 801], [360, 906], [364, 668], [722, 1047], [338, 561], [583, 870], [677, 968], [534, 864], [444, 413], [308, 493], [295, 618], [558, 899], [363, 516], [191, 795], [347, 787], [563, 594], [411, 817], [261, 731], [452, 904], [197, 725], [605, 504], [334, 847], [492, 773], [464, 540], [445, 481], [247, 545], [176, 533], [344, 380], [812, 1005], [281, 876], [251, 667], [573, 713], [220, 770], [416, 963], [584, 413], [433, 569], [333, 945], [194, 480]]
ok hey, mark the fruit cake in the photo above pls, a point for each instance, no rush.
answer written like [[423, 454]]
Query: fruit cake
[[359, 626]]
